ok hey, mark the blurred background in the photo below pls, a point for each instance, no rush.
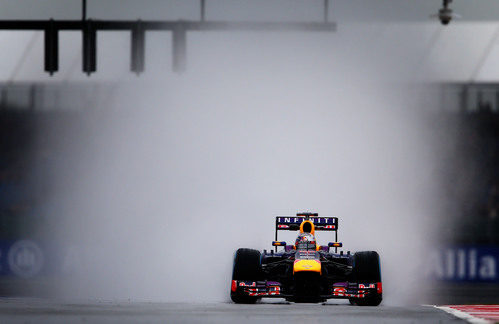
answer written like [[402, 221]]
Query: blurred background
[[118, 185]]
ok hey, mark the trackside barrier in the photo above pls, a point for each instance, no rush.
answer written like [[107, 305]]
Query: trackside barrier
[[465, 263]]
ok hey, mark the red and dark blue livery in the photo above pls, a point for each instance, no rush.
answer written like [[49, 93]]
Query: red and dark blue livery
[[306, 271]]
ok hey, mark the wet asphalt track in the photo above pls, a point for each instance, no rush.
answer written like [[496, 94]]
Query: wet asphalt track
[[29, 310]]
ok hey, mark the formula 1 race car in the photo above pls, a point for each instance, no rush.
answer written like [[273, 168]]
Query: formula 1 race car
[[306, 271]]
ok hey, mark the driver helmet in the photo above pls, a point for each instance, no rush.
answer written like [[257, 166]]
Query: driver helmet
[[305, 240]]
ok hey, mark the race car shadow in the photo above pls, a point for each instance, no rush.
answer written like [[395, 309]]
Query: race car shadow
[[280, 302], [283, 302], [337, 304]]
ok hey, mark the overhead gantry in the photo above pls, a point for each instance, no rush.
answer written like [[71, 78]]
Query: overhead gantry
[[138, 28]]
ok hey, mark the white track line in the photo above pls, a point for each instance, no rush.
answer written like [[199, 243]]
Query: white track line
[[463, 315]]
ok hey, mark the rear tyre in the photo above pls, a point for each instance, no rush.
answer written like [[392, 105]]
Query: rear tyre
[[247, 267], [367, 270]]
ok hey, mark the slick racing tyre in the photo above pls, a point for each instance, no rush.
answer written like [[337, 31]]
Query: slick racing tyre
[[248, 267], [366, 270]]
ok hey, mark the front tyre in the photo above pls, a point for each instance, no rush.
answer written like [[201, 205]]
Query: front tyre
[[247, 267], [367, 270]]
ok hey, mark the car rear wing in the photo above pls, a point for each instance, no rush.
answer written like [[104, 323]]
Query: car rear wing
[[292, 223]]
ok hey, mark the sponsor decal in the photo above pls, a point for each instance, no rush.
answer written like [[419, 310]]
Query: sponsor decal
[[343, 293], [270, 291], [28, 258], [25, 259], [244, 284], [464, 263], [316, 220]]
